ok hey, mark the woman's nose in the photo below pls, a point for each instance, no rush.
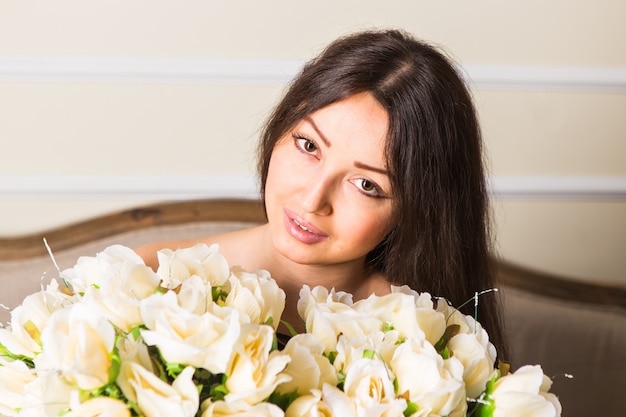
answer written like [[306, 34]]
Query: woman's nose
[[317, 198]]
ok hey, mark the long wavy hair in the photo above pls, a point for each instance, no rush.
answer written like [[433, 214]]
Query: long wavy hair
[[434, 155]]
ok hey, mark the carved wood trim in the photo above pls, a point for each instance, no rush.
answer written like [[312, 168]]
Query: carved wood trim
[[554, 286], [25, 247]]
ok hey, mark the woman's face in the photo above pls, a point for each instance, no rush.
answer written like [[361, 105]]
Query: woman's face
[[327, 194]]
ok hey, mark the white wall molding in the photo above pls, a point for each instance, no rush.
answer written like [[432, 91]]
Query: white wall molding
[[546, 78], [184, 187], [141, 187], [146, 70], [558, 187], [278, 72]]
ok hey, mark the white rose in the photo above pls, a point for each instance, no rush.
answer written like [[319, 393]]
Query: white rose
[[201, 260], [257, 295], [47, 395], [477, 359], [467, 324], [435, 385], [78, 343], [91, 270], [253, 372], [240, 409], [370, 386], [381, 345], [29, 319], [430, 321], [309, 368], [100, 407], [338, 402], [525, 393], [319, 294], [14, 376], [310, 405], [203, 341], [156, 398], [328, 319], [134, 350], [120, 291], [195, 295], [471, 346], [396, 310]]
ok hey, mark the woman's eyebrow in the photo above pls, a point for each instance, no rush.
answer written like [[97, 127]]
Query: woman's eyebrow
[[317, 130], [370, 168], [357, 164]]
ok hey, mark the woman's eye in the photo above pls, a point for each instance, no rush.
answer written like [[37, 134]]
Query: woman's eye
[[306, 145], [367, 187]]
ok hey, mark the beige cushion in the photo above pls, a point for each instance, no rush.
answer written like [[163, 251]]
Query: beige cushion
[[565, 337]]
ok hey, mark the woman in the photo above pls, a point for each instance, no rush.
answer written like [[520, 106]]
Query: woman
[[371, 173]]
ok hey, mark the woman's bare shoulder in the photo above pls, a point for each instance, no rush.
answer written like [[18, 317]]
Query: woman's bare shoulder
[[233, 245]]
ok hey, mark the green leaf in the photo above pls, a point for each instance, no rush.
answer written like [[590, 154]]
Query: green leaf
[[4, 352], [283, 400], [218, 294], [136, 331], [174, 369], [219, 390], [290, 328], [442, 344], [332, 356]]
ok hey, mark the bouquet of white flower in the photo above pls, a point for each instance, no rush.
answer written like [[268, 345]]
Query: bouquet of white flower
[[198, 338]]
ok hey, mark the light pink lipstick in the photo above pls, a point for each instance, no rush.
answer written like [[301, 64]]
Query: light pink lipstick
[[301, 230]]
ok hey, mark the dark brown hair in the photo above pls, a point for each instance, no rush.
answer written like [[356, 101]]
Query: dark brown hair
[[434, 155]]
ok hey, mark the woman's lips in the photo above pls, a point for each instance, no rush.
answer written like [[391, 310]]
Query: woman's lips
[[302, 231]]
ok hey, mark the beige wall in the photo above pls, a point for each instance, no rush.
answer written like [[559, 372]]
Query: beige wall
[[106, 105]]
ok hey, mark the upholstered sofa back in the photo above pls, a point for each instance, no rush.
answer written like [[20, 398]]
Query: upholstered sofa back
[[568, 327]]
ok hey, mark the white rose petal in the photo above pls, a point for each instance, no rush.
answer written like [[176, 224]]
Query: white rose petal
[[100, 407], [370, 385], [47, 395], [120, 292], [114, 280], [156, 398], [133, 350], [195, 295], [477, 360], [327, 319], [90, 271], [29, 319], [430, 321], [396, 309], [430, 382], [319, 294], [240, 409], [203, 341], [77, 342], [13, 378], [352, 349], [253, 372], [257, 295], [309, 369], [338, 402], [310, 405], [525, 393], [201, 260]]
